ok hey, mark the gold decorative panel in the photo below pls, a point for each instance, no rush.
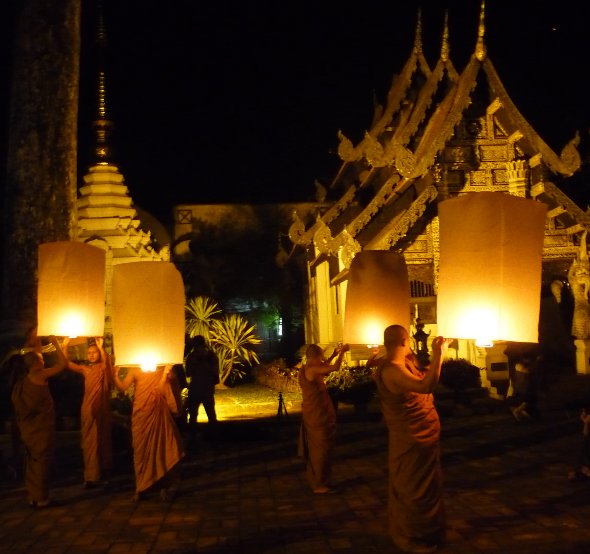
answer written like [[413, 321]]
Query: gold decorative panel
[[419, 246], [500, 176], [479, 178], [492, 153], [557, 240]]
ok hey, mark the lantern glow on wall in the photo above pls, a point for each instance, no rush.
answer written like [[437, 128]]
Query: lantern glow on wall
[[147, 314], [70, 290], [377, 295], [489, 286]]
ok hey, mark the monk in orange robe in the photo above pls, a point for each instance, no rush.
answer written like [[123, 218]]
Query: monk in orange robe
[[95, 413], [415, 507], [35, 418], [318, 426], [157, 444]]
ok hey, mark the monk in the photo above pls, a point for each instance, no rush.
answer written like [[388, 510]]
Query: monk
[[415, 508], [95, 414], [318, 426], [35, 417], [157, 444]]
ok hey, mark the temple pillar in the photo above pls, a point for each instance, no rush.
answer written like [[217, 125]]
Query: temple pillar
[[517, 173], [582, 356]]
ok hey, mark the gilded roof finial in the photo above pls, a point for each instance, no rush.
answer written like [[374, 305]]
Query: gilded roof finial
[[102, 126], [445, 48], [418, 38], [480, 48]]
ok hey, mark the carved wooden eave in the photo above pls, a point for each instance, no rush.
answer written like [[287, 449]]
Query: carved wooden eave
[[303, 237], [441, 126], [561, 207], [399, 226], [322, 238], [399, 88], [425, 98], [439, 129], [321, 257], [355, 226], [395, 103], [340, 278], [566, 164]]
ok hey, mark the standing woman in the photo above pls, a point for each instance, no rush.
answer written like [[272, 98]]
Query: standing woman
[[157, 444], [35, 417], [95, 415], [318, 426]]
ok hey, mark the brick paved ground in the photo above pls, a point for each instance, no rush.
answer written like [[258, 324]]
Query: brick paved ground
[[506, 491]]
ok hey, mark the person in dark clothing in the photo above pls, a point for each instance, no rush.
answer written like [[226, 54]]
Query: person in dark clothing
[[202, 370], [178, 383], [581, 472]]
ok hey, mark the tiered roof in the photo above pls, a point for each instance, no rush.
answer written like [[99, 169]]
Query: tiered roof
[[388, 182], [106, 215]]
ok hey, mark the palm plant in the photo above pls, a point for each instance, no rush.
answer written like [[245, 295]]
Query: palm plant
[[200, 313], [232, 338]]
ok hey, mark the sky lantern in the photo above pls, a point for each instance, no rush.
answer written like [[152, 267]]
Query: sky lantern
[[489, 285], [70, 290], [148, 314], [377, 295]]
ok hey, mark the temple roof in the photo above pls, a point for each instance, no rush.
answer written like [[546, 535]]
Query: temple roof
[[386, 183]]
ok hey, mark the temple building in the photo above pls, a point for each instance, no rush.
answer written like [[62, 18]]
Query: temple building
[[442, 132]]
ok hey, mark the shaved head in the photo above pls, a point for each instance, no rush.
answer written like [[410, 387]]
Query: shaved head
[[313, 351], [395, 335]]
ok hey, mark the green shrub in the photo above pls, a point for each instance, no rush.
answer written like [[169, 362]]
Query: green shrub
[[352, 385], [460, 375]]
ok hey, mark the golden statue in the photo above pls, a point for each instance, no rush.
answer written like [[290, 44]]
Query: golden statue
[[579, 278]]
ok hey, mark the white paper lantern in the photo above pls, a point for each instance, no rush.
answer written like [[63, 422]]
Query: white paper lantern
[[491, 249], [147, 314], [377, 295], [71, 290]]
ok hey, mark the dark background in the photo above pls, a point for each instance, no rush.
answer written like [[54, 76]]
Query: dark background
[[241, 101]]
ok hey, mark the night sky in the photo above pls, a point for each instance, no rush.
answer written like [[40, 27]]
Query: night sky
[[232, 101]]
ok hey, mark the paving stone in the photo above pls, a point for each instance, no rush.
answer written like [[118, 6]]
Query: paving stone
[[506, 491]]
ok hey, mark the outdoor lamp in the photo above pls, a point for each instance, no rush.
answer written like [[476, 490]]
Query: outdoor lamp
[[147, 314], [489, 284], [377, 295], [70, 290]]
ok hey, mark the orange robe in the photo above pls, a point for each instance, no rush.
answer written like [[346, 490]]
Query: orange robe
[[96, 422], [157, 444], [35, 417], [318, 429], [415, 506]]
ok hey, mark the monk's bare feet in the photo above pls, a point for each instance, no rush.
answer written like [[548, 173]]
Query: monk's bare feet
[[324, 490]]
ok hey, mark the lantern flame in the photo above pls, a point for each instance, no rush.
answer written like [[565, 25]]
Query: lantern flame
[[147, 362], [70, 324]]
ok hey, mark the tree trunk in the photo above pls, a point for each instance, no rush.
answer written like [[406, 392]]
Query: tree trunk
[[42, 144]]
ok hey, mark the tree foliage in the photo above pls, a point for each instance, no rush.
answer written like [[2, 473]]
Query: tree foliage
[[231, 336]]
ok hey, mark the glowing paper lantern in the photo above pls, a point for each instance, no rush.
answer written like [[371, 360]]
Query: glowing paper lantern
[[489, 286], [377, 295], [70, 290], [148, 314]]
